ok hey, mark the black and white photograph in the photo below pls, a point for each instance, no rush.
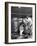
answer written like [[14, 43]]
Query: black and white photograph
[[21, 22], [20, 18]]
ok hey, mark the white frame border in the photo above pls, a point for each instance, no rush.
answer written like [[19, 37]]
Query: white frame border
[[9, 23]]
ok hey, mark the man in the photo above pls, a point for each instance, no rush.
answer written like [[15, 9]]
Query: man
[[28, 29]]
